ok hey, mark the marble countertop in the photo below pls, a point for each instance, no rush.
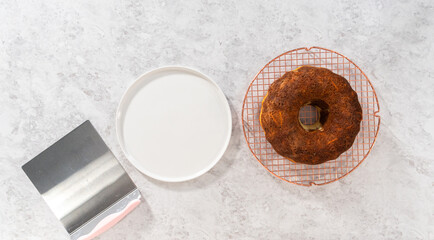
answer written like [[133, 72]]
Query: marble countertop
[[63, 62]]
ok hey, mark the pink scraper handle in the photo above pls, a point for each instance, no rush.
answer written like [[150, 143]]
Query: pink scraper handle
[[110, 221]]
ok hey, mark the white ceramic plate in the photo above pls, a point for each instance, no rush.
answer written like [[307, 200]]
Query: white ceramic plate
[[173, 124]]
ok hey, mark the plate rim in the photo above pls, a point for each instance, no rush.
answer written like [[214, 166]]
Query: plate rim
[[123, 104]]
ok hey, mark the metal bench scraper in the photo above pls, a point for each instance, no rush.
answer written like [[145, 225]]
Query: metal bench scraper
[[83, 183]]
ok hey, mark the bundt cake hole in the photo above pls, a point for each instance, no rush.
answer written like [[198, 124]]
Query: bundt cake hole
[[313, 115]]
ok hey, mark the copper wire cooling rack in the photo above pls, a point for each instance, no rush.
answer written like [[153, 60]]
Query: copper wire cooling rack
[[303, 174]]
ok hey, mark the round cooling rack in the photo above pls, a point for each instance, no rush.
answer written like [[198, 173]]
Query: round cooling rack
[[303, 174]]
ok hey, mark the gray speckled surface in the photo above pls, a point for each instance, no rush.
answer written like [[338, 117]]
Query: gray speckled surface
[[64, 62]]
